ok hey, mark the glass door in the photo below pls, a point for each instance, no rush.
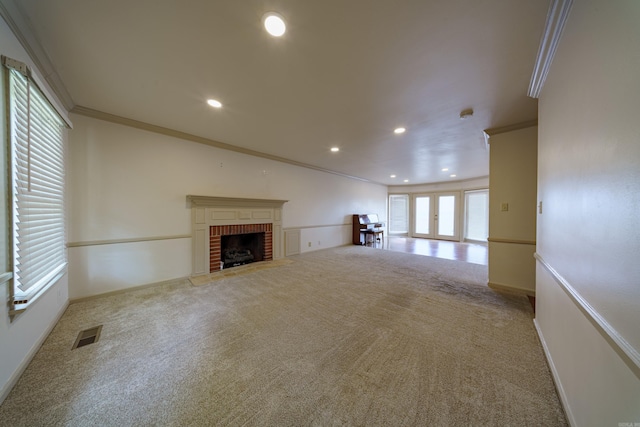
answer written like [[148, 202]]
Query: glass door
[[447, 216], [436, 216], [424, 219]]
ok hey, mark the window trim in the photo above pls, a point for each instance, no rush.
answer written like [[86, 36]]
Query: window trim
[[466, 215], [406, 197], [45, 107]]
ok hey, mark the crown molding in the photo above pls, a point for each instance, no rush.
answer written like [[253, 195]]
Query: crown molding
[[556, 20], [107, 117], [12, 13], [488, 133], [395, 188]]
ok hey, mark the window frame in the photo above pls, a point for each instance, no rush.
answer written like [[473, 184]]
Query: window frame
[[406, 198], [468, 193], [35, 158]]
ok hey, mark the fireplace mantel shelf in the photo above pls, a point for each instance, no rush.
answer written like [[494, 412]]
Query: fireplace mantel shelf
[[207, 201]]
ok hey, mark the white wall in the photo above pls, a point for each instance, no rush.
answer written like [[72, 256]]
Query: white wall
[[20, 339], [127, 183], [512, 233], [588, 234]]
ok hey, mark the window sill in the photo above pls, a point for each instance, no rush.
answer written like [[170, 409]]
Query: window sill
[[17, 309]]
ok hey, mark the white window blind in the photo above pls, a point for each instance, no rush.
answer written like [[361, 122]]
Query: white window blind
[[37, 135], [399, 214], [477, 215]]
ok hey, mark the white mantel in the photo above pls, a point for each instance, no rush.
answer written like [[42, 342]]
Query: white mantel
[[207, 211]]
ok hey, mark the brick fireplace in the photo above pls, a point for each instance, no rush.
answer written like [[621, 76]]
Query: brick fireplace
[[216, 232], [212, 218]]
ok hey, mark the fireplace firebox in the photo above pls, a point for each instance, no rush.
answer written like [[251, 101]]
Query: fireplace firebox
[[246, 243], [240, 249]]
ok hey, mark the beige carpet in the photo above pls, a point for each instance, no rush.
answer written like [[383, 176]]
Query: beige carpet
[[345, 336]]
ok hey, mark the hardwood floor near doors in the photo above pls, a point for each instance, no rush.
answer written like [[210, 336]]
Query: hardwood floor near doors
[[475, 253]]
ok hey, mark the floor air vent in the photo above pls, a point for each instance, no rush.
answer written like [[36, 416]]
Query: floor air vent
[[86, 337]]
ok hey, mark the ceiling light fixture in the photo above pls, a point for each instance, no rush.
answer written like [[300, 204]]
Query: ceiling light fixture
[[274, 24], [335, 149], [399, 130], [392, 176], [406, 180], [466, 113], [214, 103], [453, 175], [445, 169]]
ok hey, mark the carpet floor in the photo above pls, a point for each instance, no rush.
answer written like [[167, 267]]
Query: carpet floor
[[344, 336]]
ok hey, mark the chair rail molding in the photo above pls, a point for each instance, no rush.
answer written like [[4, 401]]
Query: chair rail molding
[[626, 351]]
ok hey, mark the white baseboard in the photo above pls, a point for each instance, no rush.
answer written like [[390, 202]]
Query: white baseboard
[[556, 379], [129, 289], [500, 287]]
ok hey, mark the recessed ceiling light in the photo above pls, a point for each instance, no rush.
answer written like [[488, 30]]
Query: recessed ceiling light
[[274, 24], [399, 130], [335, 149], [392, 176], [214, 103], [406, 180], [445, 169], [453, 175]]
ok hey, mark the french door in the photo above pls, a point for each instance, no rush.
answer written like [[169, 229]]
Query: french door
[[436, 216]]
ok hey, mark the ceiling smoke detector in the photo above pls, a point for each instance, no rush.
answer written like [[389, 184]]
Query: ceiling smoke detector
[[466, 113]]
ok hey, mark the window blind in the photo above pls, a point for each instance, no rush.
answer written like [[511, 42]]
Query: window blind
[[38, 173], [477, 215], [399, 213]]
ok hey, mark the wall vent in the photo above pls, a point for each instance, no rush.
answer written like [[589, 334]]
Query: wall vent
[[88, 336]]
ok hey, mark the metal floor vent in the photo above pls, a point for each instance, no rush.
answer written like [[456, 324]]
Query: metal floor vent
[[86, 337]]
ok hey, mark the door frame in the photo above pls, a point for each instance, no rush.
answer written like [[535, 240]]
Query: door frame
[[413, 216], [433, 213], [456, 216]]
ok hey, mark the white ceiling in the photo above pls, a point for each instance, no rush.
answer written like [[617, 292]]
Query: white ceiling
[[345, 74]]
